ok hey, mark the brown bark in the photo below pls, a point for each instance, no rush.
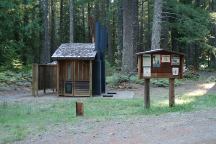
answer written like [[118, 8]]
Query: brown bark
[[130, 31], [119, 33], [61, 27], [45, 52], [141, 28], [53, 27], [71, 10], [156, 27]]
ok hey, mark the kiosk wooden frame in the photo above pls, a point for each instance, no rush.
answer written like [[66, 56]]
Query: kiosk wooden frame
[[160, 63]]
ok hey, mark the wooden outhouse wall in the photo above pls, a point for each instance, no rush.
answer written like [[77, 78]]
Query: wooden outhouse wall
[[44, 76], [78, 74]]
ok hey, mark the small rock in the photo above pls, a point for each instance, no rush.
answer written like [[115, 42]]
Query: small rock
[[112, 133]]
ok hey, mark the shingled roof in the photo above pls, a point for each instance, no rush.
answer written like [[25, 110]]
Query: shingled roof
[[85, 51]]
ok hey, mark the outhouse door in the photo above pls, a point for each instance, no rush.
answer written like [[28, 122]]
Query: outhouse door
[[77, 78]]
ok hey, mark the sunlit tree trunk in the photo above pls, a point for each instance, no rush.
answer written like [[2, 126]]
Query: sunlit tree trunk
[[45, 52], [156, 27], [130, 37], [118, 60]]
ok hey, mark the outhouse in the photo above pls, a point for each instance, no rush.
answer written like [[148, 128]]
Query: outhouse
[[74, 68], [160, 63]]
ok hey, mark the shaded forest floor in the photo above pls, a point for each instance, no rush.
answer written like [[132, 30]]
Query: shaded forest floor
[[122, 119]]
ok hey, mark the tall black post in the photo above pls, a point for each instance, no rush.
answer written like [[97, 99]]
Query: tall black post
[[96, 80], [99, 77], [103, 46]]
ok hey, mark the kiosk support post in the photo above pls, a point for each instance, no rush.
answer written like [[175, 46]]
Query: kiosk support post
[[146, 93], [171, 92]]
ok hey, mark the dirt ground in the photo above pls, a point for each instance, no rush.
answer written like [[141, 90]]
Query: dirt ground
[[173, 128]]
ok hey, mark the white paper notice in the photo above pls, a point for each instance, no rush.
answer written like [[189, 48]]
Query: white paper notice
[[147, 71], [165, 58], [146, 60], [175, 71]]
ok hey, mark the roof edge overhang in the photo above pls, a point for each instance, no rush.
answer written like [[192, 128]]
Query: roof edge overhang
[[73, 58], [159, 50]]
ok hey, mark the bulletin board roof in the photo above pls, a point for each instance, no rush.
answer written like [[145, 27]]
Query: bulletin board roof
[[160, 51]]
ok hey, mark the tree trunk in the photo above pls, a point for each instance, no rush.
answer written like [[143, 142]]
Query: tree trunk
[[83, 24], [130, 31], [156, 28], [149, 27], [71, 10], [119, 33], [45, 52], [165, 31], [212, 62], [141, 29], [109, 30], [174, 41], [90, 21], [53, 27], [61, 27], [25, 37]]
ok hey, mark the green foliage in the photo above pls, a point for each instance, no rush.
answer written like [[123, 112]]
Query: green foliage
[[191, 23], [134, 79], [109, 69], [20, 32], [164, 82], [191, 75], [116, 79], [19, 77]]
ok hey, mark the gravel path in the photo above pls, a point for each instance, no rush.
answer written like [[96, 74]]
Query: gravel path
[[173, 128]]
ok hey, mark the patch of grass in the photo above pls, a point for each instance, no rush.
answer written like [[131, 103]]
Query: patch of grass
[[17, 120]]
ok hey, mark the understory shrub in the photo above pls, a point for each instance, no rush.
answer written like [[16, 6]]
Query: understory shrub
[[191, 75], [164, 82]]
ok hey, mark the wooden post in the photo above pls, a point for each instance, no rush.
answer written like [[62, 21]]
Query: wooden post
[[90, 78], [139, 67], [57, 77], [79, 109], [182, 67], [44, 78], [35, 79], [146, 93], [171, 92]]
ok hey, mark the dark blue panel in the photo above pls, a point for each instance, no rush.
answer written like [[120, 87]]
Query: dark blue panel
[[96, 78], [99, 82]]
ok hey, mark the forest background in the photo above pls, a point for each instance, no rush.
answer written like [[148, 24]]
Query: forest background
[[31, 30]]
